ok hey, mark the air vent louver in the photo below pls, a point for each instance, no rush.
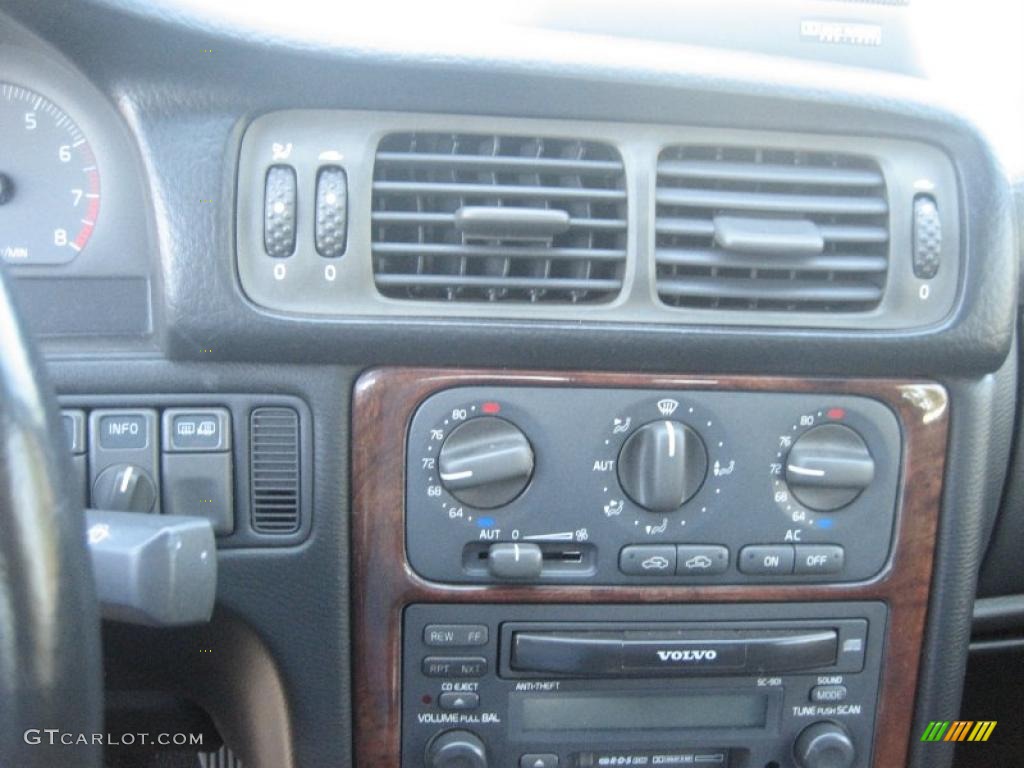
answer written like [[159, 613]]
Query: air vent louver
[[274, 470], [466, 217], [767, 229]]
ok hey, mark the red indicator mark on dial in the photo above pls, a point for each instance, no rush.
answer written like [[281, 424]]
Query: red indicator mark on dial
[[836, 413], [490, 408]]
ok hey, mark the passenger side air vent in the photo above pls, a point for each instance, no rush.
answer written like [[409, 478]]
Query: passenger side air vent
[[767, 229], [274, 470], [467, 217]]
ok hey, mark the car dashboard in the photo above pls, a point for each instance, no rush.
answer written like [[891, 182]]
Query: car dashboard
[[596, 391]]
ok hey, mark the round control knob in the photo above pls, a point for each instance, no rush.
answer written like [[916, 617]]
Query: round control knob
[[662, 465], [486, 462], [124, 488], [456, 749], [828, 467], [824, 745]]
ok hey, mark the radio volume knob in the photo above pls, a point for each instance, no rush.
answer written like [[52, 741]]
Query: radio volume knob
[[456, 749], [824, 745], [828, 467], [662, 465], [486, 462]]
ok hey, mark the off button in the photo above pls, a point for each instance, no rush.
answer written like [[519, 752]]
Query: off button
[[819, 558]]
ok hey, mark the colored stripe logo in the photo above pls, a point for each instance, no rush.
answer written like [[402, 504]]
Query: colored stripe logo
[[959, 730]]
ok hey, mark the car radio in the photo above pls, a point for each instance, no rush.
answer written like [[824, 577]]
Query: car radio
[[590, 686], [615, 486]]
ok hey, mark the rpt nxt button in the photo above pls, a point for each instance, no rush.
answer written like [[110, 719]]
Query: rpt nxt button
[[454, 666]]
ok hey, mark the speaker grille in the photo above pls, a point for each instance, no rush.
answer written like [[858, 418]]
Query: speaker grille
[[274, 470]]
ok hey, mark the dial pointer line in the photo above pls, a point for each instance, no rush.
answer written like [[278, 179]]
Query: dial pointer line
[[805, 471]]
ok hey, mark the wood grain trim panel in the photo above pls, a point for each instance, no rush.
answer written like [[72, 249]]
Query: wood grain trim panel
[[383, 583]]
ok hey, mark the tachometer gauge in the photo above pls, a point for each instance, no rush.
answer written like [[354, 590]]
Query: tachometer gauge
[[49, 181]]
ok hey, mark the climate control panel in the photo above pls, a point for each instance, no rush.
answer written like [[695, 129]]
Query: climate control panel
[[618, 486]]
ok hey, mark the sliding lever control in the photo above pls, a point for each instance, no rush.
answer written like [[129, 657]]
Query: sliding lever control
[[486, 462], [124, 488], [828, 467]]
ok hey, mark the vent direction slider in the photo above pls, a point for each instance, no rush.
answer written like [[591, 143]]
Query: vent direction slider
[[507, 223], [791, 236]]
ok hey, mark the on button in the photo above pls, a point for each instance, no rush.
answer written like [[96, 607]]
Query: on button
[[768, 560]]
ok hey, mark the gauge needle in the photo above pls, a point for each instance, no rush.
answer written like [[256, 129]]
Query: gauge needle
[[6, 188]]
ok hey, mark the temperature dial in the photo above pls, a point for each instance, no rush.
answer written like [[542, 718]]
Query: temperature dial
[[828, 467], [662, 465], [486, 462]]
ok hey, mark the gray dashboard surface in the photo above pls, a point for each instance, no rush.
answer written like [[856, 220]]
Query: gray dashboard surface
[[187, 90]]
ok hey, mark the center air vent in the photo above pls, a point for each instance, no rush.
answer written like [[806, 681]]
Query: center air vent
[[767, 229], [467, 217]]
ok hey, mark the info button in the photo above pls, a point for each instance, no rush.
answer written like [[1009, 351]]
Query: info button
[[124, 430]]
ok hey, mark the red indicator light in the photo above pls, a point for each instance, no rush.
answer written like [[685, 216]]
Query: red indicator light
[[490, 408], [836, 413], [427, 698]]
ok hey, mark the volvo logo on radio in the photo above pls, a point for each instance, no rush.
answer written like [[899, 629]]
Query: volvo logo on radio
[[697, 654]]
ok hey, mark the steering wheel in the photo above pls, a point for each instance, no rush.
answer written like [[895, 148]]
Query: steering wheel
[[51, 695]]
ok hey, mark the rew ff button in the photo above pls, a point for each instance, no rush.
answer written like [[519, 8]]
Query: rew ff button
[[454, 635]]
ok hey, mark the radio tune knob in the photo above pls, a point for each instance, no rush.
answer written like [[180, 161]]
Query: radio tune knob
[[486, 462], [456, 749], [662, 465], [828, 467], [824, 745]]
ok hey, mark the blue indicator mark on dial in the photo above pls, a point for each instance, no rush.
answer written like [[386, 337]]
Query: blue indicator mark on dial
[[825, 523], [485, 522]]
